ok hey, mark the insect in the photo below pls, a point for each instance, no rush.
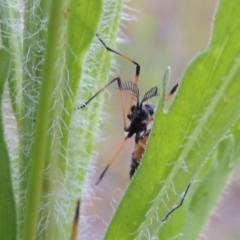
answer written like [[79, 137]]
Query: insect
[[140, 115]]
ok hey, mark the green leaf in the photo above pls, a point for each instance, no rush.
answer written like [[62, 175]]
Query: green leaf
[[7, 203], [205, 194], [52, 67], [82, 16], [65, 39], [95, 75], [182, 140]]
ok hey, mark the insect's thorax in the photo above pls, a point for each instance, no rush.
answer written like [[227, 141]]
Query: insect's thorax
[[141, 118]]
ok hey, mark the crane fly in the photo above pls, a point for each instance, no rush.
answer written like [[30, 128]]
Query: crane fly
[[140, 115]]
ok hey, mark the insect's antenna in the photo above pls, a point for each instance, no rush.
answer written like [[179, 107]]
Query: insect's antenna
[[112, 160], [179, 205], [172, 92], [133, 87], [151, 93], [136, 78], [76, 222]]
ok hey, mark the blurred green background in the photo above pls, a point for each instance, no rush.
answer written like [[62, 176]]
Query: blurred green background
[[160, 34]]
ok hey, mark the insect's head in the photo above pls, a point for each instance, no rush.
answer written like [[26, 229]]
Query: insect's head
[[141, 112]]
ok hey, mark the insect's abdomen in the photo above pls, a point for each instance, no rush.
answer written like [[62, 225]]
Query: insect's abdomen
[[137, 154]]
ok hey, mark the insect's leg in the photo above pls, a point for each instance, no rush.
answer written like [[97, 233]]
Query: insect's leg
[[99, 91], [74, 233], [123, 108], [172, 92], [179, 205], [136, 79], [121, 98], [112, 160]]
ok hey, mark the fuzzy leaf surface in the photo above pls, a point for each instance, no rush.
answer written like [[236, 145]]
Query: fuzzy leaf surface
[[7, 202]]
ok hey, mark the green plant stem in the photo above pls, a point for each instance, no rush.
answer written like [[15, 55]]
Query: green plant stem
[[40, 148]]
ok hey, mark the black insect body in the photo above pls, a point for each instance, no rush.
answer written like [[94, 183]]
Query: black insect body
[[141, 120], [141, 123]]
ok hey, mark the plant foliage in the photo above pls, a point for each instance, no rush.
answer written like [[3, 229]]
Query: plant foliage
[[191, 142]]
